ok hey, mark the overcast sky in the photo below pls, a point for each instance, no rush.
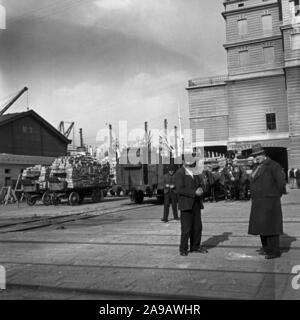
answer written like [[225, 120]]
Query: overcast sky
[[100, 61]]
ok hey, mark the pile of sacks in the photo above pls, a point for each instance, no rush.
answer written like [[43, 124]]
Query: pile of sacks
[[79, 171]]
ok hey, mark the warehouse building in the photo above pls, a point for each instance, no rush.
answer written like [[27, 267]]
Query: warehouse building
[[27, 139], [258, 101]]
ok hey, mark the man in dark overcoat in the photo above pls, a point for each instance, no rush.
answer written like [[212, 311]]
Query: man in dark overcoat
[[189, 187], [267, 186], [170, 196]]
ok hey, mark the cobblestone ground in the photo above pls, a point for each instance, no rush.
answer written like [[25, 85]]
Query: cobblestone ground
[[131, 254]]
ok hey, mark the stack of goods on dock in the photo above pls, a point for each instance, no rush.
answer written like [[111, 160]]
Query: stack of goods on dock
[[31, 175], [30, 179], [79, 171], [44, 177]]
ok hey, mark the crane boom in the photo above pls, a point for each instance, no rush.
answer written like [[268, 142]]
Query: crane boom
[[62, 130], [13, 100], [67, 133]]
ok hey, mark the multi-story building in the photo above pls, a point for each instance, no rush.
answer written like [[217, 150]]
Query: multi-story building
[[258, 101]]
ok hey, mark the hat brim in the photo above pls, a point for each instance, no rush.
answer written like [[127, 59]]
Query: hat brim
[[257, 153]]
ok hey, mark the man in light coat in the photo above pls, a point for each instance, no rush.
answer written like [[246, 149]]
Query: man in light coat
[[267, 186]]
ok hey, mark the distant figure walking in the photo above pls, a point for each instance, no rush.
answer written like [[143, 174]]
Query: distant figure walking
[[170, 196], [267, 186], [292, 178]]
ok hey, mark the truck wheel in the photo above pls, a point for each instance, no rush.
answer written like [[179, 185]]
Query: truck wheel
[[30, 200], [74, 199], [139, 197], [46, 198]]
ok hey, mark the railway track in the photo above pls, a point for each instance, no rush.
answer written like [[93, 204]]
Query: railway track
[[42, 222]]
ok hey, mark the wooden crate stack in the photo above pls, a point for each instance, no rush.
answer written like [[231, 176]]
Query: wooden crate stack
[[79, 171]]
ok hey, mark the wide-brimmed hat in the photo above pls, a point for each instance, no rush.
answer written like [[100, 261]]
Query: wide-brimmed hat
[[257, 149]]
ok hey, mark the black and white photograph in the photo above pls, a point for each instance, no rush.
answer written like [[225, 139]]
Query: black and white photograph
[[150, 152]]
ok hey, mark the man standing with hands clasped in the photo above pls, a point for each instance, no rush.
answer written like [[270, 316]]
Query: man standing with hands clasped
[[189, 187], [267, 186]]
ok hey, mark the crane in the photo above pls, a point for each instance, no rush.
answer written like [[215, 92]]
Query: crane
[[12, 101], [62, 130]]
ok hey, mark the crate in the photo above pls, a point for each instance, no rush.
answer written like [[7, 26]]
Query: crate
[[32, 188], [57, 186]]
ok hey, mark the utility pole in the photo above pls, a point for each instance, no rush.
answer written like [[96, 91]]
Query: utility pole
[[166, 127], [176, 141], [110, 138], [81, 137]]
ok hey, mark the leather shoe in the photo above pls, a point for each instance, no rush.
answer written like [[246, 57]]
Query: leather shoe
[[261, 252], [183, 253], [272, 256], [164, 220], [200, 250]]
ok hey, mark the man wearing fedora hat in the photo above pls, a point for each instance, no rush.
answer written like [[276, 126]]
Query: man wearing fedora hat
[[267, 185], [189, 187], [170, 196]]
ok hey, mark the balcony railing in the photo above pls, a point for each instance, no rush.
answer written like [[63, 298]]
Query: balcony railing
[[207, 81]]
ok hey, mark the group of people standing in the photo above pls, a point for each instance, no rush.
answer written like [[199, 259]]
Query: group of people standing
[[232, 182], [294, 178], [184, 189]]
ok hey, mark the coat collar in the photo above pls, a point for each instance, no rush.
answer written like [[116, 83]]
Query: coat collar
[[262, 168]]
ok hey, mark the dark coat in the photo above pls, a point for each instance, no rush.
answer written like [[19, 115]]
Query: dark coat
[[186, 187], [267, 187], [168, 180]]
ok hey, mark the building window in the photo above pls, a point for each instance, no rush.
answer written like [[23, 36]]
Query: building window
[[27, 129], [267, 24], [7, 182], [7, 171], [271, 121], [244, 58], [242, 27], [296, 41], [269, 54], [295, 8]]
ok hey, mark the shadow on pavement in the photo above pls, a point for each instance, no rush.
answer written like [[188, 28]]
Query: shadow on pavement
[[286, 242], [214, 241]]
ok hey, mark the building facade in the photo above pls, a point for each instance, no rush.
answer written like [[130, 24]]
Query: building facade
[[26, 139], [258, 101]]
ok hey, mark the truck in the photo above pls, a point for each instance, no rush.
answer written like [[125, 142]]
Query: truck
[[142, 179], [70, 178]]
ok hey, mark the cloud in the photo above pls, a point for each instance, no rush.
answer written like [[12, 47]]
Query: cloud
[[113, 4], [143, 97]]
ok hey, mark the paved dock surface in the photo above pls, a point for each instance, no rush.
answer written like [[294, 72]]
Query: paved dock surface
[[119, 250]]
